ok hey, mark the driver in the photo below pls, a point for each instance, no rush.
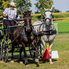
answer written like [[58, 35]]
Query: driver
[[9, 14]]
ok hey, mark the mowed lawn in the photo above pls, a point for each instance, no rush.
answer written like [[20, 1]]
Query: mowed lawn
[[61, 44], [63, 26]]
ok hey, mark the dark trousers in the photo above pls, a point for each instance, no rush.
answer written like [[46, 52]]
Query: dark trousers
[[7, 23]]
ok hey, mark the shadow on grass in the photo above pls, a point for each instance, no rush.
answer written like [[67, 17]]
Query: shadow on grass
[[47, 60], [30, 60]]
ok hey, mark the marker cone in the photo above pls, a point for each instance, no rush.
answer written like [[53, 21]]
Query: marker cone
[[46, 54]]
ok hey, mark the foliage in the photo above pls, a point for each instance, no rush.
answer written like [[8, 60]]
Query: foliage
[[1, 12], [22, 5], [5, 3], [43, 3]]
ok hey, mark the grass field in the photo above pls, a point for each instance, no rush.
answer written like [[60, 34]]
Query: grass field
[[61, 44], [63, 26]]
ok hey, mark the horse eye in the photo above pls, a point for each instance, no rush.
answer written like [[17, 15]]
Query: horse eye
[[45, 14], [51, 15]]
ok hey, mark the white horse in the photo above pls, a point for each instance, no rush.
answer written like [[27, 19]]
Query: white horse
[[46, 27]]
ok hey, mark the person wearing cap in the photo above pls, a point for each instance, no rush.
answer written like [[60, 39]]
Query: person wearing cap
[[9, 14]]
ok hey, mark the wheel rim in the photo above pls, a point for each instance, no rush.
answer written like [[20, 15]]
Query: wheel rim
[[4, 51], [0, 51]]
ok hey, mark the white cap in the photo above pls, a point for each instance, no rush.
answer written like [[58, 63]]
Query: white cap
[[12, 4]]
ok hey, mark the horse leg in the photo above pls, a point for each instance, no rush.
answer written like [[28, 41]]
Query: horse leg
[[50, 52], [20, 56], [12, 53], [42, 45], [30, 52], [36, 51], [25, 54]]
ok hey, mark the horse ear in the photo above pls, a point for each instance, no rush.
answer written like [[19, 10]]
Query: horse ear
[[30, 12], [23, 12], [45, 9]]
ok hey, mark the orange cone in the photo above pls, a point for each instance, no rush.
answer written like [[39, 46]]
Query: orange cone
[[46, 54]]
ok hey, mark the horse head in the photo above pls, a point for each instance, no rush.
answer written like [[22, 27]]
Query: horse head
[[48, 16], [27, 20]]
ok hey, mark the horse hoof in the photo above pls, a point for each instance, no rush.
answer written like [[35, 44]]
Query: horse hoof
[[12, 61], [38, 56], [51, 62], [37, 60], [27, 65], [21, 62]]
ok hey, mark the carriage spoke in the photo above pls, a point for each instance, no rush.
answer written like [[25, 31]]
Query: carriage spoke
[[4, 49]]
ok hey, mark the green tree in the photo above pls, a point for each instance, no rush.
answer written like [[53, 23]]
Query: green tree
[[0, 5], [22, 5], [43, 3], [4, 3]]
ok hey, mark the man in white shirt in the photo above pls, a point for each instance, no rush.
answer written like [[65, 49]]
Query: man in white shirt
[[9, 14]]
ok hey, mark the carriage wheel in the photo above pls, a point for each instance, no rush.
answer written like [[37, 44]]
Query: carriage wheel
[[4, 51], [0, 52]]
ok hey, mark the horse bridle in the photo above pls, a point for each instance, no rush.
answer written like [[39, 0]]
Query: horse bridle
[[47, 18], [30, 25]]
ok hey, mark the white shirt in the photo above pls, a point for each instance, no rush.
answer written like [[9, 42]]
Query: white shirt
[[10, 13]]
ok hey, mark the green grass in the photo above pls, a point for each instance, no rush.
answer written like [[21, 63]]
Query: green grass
[[61, 44], [63, 26]]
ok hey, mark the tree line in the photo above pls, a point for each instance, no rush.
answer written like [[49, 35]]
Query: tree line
[[26, 4]]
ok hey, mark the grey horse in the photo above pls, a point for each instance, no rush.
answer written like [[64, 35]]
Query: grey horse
[[47, 25]]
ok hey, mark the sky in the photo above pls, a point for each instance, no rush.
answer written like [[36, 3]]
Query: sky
[[62, 5]]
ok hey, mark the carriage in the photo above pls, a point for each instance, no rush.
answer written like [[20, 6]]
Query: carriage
[[5, 39], [5, 46]]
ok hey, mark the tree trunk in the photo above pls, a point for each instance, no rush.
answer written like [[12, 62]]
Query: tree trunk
[[21, 12]]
